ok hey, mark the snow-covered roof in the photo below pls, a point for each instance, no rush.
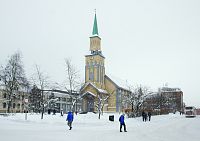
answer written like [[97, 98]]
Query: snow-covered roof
[[98, 89], [152, 95], [88, 93], [119, 82], [168, 89]]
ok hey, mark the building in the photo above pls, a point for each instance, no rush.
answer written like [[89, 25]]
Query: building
[[63, 101], [98, 85], [54, 100], [18, 103], [166, 100]]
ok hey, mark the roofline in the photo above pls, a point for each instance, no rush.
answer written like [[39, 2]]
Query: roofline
[[93, 36], [89, 83], [116, 84], [94, 55], [112, 81]]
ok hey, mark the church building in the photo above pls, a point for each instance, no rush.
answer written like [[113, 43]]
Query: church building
[[97, 83]]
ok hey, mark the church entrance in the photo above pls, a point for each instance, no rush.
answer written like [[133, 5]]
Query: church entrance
[[90, 105], [88, 102]]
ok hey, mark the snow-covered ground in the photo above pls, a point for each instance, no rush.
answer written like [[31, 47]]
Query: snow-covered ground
[[88, 127]]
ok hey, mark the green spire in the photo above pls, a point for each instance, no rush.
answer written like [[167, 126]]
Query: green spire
[[95, 28]]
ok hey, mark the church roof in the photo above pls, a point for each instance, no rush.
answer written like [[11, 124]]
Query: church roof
[[88, 93], [119, 82], [98, 89]]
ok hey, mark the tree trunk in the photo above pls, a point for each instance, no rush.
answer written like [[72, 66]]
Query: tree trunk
[[99, 114], [9, 105], [42, 104], [42, 111]]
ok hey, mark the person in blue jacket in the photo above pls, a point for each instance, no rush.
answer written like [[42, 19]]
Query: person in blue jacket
[[122, 123], [70, 118]]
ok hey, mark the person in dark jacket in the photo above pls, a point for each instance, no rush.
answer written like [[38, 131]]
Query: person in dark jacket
[[61, 112], [122, 123], [149, 115], [143, 115], [70, 118]]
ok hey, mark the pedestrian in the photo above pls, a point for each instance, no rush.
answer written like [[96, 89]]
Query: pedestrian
[[49, 111], [149, 115], [143, 115], [54, 111], [61, 112], [122, 123], [70, 118]]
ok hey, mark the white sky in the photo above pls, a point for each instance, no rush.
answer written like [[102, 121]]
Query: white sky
[[148, 42]]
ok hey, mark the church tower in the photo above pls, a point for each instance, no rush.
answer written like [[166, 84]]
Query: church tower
[[94, 62]]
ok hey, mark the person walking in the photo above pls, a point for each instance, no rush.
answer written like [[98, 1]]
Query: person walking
[[143, 115], [122, 123], [149, 115], [61, 112], [70, 118]]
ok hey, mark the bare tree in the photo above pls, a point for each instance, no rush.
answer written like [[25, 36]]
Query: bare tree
[[73, 83], [137, 98], [12, 77], [41, 81], [102, 99]]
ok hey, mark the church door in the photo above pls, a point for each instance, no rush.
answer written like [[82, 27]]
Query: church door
[[90, 105]]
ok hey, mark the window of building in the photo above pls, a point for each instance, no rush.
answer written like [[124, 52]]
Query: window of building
[[18, 106], [14, 105], [4, 95], [91, 74], [64, 99], [4, 105]]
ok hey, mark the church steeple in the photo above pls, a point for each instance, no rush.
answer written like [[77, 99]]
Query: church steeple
[[94, 65], [95, 40], [95, 27]]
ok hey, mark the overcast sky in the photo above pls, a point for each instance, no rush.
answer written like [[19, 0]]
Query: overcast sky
[[148, 42]]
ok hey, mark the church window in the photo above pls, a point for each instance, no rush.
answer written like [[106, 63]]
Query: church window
[[91, 73], [97, 73]]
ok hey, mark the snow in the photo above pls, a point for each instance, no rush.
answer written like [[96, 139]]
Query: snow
[[119, 82], [172, 127], [98, 89]]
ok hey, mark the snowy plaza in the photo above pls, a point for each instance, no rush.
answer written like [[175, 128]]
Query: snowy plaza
[[172, 127]]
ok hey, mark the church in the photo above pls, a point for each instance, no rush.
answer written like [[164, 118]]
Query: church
[[97, 83]]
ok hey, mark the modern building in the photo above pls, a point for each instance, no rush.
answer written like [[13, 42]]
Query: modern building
[[166, 100], [54, 100], [98, 85]]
